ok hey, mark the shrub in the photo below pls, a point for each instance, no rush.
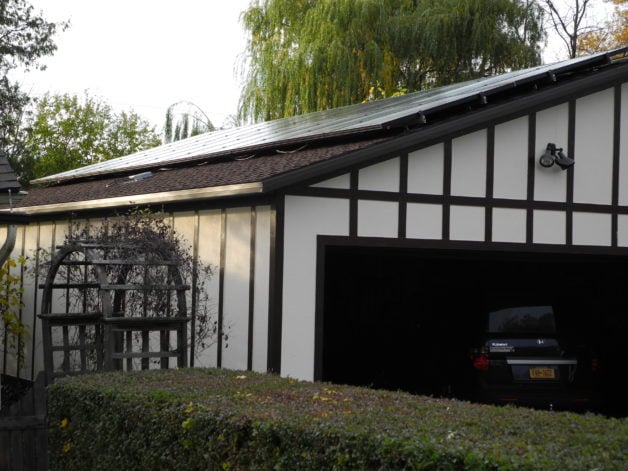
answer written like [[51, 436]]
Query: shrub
[[216, 419], [12, 330]]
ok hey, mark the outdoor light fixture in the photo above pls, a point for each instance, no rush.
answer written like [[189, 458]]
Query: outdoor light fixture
[[555, 155]]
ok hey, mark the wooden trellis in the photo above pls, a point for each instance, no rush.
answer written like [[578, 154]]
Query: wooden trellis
[[92, 331]]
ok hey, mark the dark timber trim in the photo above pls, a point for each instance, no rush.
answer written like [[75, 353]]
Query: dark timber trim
[[319, 312], [490, 175], [194, 306], [571, 146], [531, 175], [616, 162], [249, 359], [276, 285], [446, 189], [35, 301], [353, 203], [221, 284], [403, 192]]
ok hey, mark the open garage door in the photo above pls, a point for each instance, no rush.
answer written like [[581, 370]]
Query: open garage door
[[406, 318]]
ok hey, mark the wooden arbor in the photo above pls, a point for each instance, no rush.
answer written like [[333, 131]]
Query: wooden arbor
[[102, 312]]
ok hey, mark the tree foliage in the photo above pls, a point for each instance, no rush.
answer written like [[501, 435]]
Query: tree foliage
[[570, 22], [25, 37], [185, 119], [305, 56], [66, 132], [610, 34], [12, 330]]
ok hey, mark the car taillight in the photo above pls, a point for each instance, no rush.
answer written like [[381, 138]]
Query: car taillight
[[480, 362], [594, 365]]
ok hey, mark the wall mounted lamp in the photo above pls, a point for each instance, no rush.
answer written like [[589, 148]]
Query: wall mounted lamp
[[554, 155]]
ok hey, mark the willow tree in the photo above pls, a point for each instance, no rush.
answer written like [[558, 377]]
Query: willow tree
[[309, 55]]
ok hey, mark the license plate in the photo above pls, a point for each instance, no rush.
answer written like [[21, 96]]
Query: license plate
[[542, 373]]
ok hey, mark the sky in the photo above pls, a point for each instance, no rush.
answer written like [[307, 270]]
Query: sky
[[145, 55]]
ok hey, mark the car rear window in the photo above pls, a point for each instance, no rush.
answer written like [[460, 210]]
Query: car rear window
[[522, 320]]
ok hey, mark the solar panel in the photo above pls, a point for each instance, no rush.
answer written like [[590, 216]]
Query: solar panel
[[346, 120]]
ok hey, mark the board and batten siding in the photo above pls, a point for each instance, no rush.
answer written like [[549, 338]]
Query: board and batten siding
[[484, 186], [235, 242]]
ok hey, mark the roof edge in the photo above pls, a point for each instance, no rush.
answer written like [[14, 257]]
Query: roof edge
[[428, 135], [145, 199]]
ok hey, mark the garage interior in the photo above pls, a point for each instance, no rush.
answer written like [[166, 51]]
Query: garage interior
[[405, 318]]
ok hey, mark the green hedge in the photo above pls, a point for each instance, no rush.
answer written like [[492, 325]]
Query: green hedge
[[200, 419]]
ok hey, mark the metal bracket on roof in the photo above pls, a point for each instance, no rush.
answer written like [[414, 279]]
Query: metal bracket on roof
[[422, 117], [483, 99], [552, 75]]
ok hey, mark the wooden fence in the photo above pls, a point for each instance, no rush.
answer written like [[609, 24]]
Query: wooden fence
[[24, 432]]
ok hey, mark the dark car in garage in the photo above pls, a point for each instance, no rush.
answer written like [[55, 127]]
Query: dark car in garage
[[521, 359]]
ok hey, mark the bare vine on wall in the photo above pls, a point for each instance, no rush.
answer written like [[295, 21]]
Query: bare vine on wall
[[141, 235]]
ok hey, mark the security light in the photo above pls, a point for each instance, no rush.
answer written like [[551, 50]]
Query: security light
[[562, 160], [555, 155], [548, 157]]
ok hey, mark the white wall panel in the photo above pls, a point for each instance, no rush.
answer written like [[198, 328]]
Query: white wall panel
[[593, 170], [383, 176], [31, 307], [425, 170], [511, 159], [623, 147], [305, 218], [549, 227], [378, 218], [622, 230], [424, 221], [342, 182], [591, 229], [468, 171], [509, 225], [466, 223], [262, 283], [236, 288], [209, 253], [550, 184], [185, 224]]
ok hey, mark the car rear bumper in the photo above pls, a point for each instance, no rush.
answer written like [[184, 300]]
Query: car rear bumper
[[553, 400]]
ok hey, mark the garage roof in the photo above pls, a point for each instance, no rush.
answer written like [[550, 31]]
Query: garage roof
[[347, 121]]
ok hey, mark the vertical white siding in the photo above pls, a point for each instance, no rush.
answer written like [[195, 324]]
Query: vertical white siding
[[623, 147], [209, 253], [305, 218], [511, 159], [549, 227], [262, 283], [383, 176], [378, 218], [468, 171], [34, 355], [622, 230], [509, 225], [591, 229], [466, 223], [550, 184], [236, 287], [341, 182], [593, 170], [424, 221], [425, 170]]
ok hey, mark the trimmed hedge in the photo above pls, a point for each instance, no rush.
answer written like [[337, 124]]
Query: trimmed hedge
[[199, 419]]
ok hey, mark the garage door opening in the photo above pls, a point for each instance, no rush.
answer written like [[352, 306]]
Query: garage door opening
[[405, 319]]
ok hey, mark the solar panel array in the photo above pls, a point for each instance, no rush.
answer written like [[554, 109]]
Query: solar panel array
[[347, 120]]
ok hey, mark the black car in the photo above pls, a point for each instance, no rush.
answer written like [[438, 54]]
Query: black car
[[521, 361]]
